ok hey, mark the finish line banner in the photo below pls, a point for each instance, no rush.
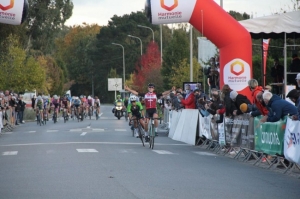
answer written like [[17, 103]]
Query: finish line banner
[[13, 12], [269, 136]]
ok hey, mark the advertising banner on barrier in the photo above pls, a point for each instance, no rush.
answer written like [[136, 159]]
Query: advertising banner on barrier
[[221, 131], [292, 141], [269, 136], [238, 131], [204, 126]]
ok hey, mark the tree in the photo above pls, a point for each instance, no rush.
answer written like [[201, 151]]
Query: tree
[[176, 51], [148, 69], [18, 71], [182, 73], [46, 18]]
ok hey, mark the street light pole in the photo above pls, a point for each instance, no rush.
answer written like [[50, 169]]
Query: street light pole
[[140, 41], [123, 63], [148, 28]]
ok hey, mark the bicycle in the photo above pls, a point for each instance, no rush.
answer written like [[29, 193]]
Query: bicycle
[[97, 114], [45, 112], [151, 130], [39, 118], [65, 115], [140, 129], [90, 113]]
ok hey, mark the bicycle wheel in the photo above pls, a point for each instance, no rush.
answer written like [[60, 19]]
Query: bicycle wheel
[[55, 117], [38, 119], [150, 134], [90, 113], [65, 117], [140, 133]]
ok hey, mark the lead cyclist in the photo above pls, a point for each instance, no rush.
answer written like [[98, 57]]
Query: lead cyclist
[[151, 108]]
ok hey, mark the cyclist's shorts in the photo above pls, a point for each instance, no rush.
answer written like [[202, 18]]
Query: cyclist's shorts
[[40, 107], [137, 115], [150, 112], [76, 105]]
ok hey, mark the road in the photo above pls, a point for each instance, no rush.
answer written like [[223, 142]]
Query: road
[[101, 159]]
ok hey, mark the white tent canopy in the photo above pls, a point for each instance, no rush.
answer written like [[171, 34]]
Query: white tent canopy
[[274, 26], [285, 25]]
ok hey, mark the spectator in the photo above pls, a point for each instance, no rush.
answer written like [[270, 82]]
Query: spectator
[[238, 99], [174, 101], [189, 101], [268, 88], [278, 107], [294, 96], [294, 67], [213, 78], [255, 88], [298, 80], [225, 98], [214, 105], [212, 64], [22, 109], [277, 74], [33, 102]]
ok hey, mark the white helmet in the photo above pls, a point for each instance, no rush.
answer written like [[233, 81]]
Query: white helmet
[[133, 98], [55, 97], [89, 97], [39, 97]]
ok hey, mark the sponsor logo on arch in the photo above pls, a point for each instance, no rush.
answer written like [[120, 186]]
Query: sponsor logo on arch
[[7, 7]]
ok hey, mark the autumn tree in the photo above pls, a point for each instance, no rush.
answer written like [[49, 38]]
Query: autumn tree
[[148, 69], [18, 71]]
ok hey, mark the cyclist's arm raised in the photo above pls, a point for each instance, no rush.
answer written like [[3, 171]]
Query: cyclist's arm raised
[[130, 90]]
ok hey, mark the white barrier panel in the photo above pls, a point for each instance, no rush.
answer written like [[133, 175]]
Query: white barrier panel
[[188, 134], [292, 141], [174, 122], [179, 127], [204, 126]]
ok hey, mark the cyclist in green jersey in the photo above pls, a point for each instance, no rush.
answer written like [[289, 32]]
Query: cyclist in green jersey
[[135, 112]]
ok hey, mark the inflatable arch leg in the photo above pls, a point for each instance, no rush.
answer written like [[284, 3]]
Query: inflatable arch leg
[[232, 39]]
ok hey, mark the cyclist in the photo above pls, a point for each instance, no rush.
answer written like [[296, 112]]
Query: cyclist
[[39, 104], [97, 105], [46, 106], [55, 103], [77, 103], [65, 104], [90, 103], [134, 110], [150, 103]]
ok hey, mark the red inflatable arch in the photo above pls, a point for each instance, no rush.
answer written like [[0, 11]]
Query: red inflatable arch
[[232, 39]]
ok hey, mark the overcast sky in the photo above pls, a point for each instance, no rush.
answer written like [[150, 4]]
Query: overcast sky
[[100, 11]]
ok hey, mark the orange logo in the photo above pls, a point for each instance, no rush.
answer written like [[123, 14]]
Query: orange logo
[[168, 8], [11, 5], [242, 68]]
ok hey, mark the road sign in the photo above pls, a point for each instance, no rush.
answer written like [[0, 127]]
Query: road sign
[[114, 84]]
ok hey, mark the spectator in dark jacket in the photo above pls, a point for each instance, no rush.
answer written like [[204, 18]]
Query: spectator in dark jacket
[[22, 109], [238, 99], [225, 98], [33, 102], [294, 67], [174, 101], [278, 107]]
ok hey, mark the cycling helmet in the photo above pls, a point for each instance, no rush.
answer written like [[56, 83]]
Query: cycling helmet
[[118, 96], [89, 97], [76, 98], [81, 96], [39, 97], [293, 94], [151, 84], [55, 96], [133, 98]]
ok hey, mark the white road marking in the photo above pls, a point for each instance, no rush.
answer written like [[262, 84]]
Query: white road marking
[[88, 127], [100, 114], [87, 150], [10, 153], [50, 131], [108, 143], [163, 152], [97, 129], [205, 153], [120, 129], [83, 134], [6, 133], [72, 130], [31, 131], [127, 151]]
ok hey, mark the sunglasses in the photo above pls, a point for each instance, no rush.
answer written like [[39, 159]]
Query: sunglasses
[[150, 87]]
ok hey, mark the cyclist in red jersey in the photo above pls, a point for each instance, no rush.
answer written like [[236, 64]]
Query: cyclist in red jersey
[[150, 103]]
